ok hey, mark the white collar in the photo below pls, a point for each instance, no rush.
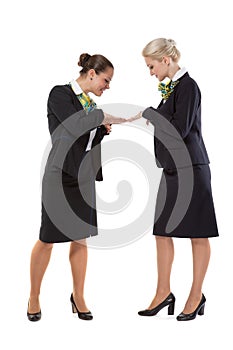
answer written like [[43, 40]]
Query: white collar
[[75, 87], [179, 73]]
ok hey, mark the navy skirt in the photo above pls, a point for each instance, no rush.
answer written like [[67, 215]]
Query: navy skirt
[[184, 205]]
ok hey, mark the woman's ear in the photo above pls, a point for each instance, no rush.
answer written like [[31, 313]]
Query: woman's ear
[[167, 60], [91, 73]]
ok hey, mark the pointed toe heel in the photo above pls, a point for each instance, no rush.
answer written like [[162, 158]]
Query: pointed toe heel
[[87, 316], [199, 311], [34, 317], [169, 301]]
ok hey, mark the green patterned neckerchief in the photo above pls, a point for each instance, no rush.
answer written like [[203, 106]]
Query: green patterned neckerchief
[[167, 89], [87, 102]]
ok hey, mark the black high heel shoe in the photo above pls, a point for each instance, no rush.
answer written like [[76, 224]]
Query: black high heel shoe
[[169, 301], [83, 315], [35, 316], [199, 311]]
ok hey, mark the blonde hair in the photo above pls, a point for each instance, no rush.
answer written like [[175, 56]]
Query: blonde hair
[[161, 47]]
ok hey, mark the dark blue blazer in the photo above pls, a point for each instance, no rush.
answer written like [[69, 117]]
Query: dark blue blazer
[[178, 138], [70, 127]]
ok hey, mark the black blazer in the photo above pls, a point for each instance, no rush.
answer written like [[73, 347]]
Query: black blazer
[[70, 127], [178, 139]]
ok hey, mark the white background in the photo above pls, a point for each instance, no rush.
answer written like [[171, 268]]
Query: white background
[[40, 45]]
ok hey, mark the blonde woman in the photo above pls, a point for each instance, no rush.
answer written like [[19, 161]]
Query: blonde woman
[[180, 151]]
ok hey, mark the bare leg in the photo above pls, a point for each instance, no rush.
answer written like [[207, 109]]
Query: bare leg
[[201, 257], [165, 256], [78, 261], [40, 257]]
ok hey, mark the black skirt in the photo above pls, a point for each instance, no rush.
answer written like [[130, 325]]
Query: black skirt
[[184, 205], [68, 207]]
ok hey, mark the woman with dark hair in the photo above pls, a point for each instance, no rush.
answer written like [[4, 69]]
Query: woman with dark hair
[[68, 188]]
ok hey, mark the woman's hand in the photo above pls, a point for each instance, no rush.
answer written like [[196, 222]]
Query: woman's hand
[[108, 128], [137, 116], [110, 119]]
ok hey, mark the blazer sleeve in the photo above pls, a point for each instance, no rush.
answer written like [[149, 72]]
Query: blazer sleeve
[[60, 104], [187, 101]]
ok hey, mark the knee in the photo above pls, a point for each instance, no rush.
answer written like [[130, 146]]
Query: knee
[[77, 247], [45, 245], [200, 241], [78, 244], [163, 239]]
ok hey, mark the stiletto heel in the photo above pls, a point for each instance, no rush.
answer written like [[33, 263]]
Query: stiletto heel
[[83, 315], [171, 309], [169, 301], [199, 311]]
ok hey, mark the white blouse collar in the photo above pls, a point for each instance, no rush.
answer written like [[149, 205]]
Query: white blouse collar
[[179, 73], [75, 87]]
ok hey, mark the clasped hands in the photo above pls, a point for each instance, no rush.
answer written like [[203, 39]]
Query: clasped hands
[[110, 119]]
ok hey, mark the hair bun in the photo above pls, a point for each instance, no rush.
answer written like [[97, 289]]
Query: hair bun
[[172, 42], [84, 57]]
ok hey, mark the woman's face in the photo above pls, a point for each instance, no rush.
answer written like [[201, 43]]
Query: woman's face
[[100, 82], [157, 68]]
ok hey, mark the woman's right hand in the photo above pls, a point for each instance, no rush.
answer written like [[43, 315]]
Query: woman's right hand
[[110, 119]]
